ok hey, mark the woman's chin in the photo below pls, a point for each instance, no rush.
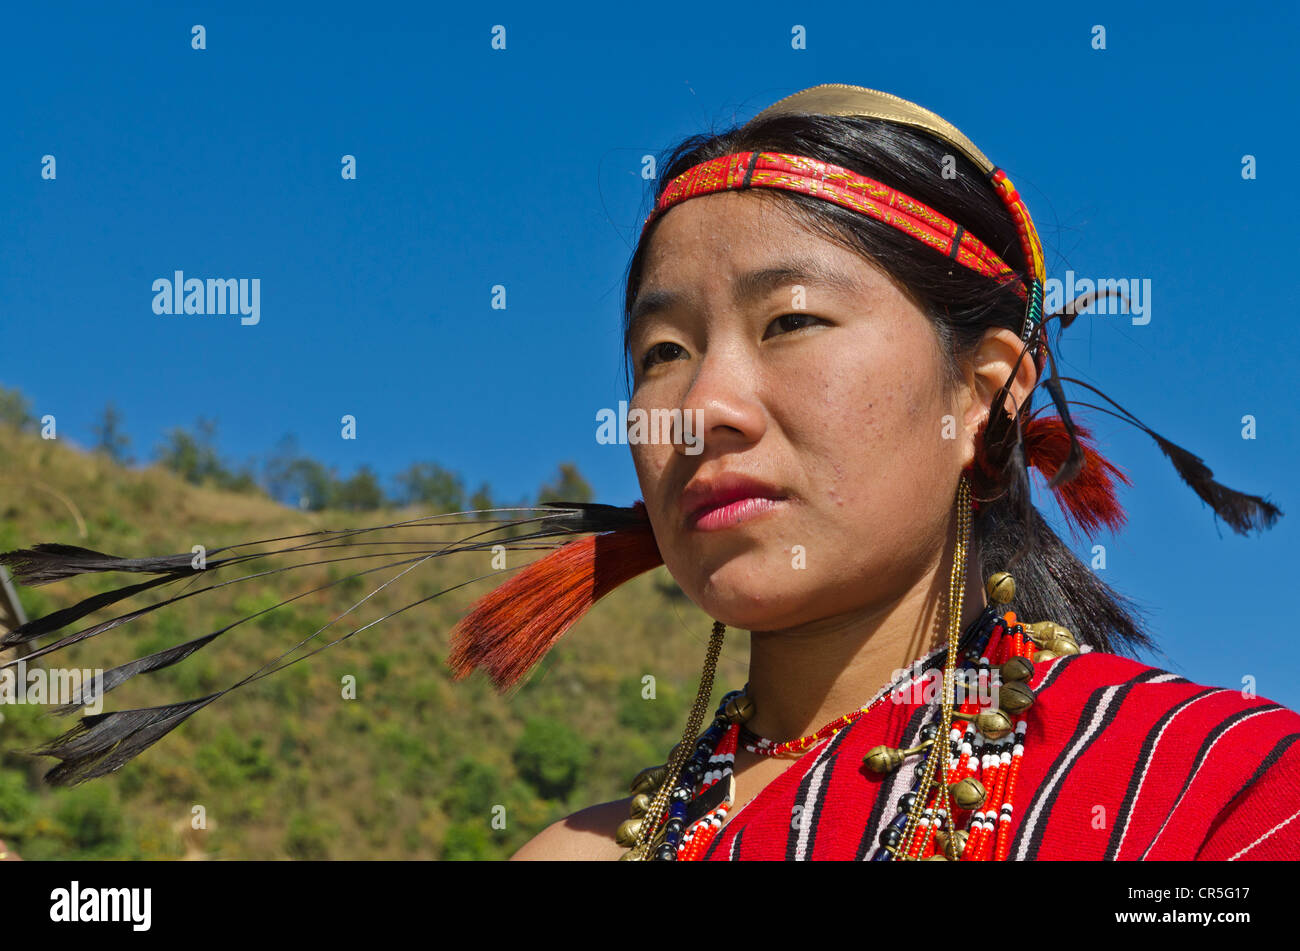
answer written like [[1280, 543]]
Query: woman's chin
[[756, 603]]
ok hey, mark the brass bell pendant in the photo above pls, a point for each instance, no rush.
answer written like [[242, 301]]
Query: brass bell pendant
[[1016, 669], [994, 724], [968, 793], [649, 779], [1001, 587], [627, 833], [1050, 636], [1015, 697], [886, 759], [951, 844]]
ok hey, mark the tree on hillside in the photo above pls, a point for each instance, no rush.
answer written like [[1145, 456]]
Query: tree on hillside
[[569, 486], [427, 483], [313, 484], [242, 480], [194, 457], [296, 480], [482, 498], [359, 493], [110, 438], [15, 410]]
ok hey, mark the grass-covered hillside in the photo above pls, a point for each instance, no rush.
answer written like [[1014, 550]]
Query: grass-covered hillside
[[287, 767]]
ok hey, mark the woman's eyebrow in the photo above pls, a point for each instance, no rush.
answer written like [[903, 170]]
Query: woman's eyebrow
[[752, 285], [756, 284]]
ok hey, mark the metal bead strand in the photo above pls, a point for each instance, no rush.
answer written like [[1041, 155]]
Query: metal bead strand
[[956, 599], [684, 749]]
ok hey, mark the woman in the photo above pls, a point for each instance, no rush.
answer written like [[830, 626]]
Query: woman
[[847, 376], [848, 294]]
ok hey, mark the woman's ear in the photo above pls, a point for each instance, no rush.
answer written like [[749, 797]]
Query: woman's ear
[[989, 368]]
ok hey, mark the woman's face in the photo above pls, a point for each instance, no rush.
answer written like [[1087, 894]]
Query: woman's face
[[825, 478]]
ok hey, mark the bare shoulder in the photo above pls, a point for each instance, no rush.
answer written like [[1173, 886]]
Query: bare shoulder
[[587, 835]]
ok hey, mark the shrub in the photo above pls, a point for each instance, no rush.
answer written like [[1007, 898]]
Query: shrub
[[550, 757]]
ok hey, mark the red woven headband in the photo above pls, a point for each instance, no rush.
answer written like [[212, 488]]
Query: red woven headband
[[844, 187]]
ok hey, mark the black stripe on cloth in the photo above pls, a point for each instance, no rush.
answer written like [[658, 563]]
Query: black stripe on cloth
[[1265, 765], [1136, 778], [812, 811], [734, 854], [749, 172], [1055, 671], [801, 795], [889, 795], [1198, 761], [1096, 716]]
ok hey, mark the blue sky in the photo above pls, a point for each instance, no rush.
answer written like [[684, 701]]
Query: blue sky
[[521, 167]]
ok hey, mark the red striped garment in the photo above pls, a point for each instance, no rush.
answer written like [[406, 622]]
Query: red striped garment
[[1122, 762]]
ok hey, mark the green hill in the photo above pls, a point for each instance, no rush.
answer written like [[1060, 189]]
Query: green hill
[[414, 767]]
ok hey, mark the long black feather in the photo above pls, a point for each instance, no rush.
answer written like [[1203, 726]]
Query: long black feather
[[1074, 461], [47, 624], [1066, 315], [165, 658], [90, 692], [102, 743], [43, 564], [1244, 513]]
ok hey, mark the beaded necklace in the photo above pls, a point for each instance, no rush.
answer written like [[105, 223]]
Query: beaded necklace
[[793, 749], [966, 813]]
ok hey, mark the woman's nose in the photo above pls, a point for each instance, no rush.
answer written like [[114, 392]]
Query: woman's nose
[[722, 409]]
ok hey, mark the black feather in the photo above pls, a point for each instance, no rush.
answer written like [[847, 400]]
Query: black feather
[[90, 692], [1243, 512], [42, 564], [1074, 461], [104, 742], [1066, 315], [64, 616]]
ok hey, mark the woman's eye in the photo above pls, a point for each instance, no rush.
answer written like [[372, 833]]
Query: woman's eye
[[790, 322], [661, 353]]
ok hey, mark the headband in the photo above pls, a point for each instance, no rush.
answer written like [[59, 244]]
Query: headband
[[867, 196]]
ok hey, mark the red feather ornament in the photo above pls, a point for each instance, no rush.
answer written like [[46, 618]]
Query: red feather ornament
[[511, 628], [1088, 500]]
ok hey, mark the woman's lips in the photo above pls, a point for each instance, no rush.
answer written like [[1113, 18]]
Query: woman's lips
[[733, 513], [721, 502]]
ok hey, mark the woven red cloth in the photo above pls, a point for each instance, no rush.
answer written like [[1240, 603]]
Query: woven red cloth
[[1122, 762]]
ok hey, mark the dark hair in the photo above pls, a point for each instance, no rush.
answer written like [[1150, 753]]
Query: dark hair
[[1052, 584]]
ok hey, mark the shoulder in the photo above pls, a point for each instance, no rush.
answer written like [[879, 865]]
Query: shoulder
[[587, 835]]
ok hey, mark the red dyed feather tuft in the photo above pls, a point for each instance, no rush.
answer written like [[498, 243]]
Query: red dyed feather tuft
[[511, 628], [1088, 500]]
